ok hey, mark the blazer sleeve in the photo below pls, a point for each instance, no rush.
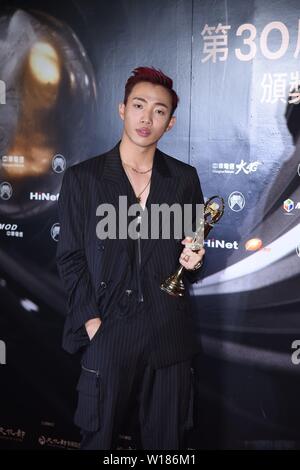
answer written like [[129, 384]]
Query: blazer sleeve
[[197, 198], [70, 255]]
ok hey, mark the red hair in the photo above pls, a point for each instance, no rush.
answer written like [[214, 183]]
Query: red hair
[[152, 75]]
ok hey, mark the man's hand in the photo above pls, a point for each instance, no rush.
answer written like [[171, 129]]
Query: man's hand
[[92, 327], [188, 258]]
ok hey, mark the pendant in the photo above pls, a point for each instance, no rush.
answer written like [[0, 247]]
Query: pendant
[[138, 199]]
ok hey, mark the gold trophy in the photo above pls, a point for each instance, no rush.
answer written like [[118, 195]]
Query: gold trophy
[[213, 211]]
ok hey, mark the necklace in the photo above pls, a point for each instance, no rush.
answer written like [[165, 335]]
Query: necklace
[[138, 196], [137, 171]]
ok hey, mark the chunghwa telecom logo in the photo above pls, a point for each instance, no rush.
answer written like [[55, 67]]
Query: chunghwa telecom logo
[[235, 168], [13, 161]]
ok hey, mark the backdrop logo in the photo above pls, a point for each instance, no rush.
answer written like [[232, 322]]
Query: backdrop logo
[[57, 442], [8, 226], [12, 434], [288, 205], [12, 160], [235, 168], [2, 92], [58, 163], [2, 352], [298, 249], [213, 243], [236, 201], [55, 231], [5, 191], [37, 196], [11, 230]]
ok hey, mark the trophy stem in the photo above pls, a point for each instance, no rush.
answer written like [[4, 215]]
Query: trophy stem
[[173, 285], [213, 211]]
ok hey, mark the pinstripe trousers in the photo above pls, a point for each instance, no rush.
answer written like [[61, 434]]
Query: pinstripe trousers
[[112, 385]]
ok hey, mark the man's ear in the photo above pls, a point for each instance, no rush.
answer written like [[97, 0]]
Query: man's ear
[[171, 123], [122, 110]]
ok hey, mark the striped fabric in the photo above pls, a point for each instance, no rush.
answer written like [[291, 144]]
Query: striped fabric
[[101, 276]]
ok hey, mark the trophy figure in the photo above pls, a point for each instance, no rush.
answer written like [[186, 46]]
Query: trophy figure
[[213, 211]]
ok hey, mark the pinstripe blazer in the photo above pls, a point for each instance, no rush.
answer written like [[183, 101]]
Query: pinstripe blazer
[[100, 276]]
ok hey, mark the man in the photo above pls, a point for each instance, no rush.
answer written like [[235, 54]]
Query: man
[[138, 341]]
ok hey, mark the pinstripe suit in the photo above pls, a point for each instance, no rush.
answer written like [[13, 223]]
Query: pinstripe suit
[[139, 337]]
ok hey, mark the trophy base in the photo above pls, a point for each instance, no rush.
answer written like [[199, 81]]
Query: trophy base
[[173, 286]]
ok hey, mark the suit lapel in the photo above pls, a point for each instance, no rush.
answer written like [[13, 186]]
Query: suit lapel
[[162, 191], [115, 183]]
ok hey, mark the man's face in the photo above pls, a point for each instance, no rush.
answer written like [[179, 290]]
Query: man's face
[[146, 115]]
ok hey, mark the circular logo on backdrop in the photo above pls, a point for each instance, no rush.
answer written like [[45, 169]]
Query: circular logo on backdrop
[[236, 201], [5, 191], [58, 163], [288, 205], [55, 231]]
